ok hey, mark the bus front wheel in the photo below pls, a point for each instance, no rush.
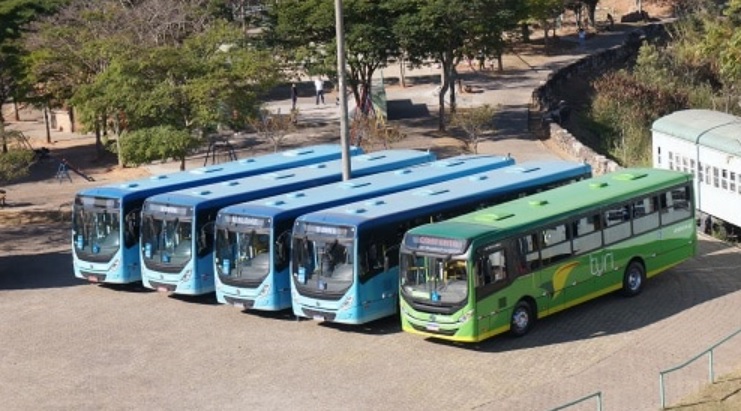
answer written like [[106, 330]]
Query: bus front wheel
[[635, 276], [522, 319]]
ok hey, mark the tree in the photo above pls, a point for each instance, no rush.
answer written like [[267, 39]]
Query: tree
[[304, 30], [437, 29], [158, 143], [15, 16], [474, 123], [273, 127]]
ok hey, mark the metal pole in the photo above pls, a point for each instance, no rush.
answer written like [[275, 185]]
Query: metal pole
[[344, 138]]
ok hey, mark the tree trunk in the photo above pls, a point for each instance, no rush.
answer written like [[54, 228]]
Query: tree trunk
[[2, 133], [98, 140], [71, 119], [47, 126], [453, 79], [182, 163], [15, 108], [525, 28], [402, 79]]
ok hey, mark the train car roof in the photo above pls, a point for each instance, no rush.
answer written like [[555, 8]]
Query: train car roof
[[707, 128]]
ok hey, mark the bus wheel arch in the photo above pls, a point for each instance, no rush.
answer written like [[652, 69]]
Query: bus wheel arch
[[634, 278], [523, 317]]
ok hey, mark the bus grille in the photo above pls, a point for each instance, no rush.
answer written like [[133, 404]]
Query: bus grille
[[319, 314], [439, 332], [162, 286], [93, 277], [239, 301]]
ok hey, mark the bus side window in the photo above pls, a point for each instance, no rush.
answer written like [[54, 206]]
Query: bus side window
[[372, 254], [282, 250], [492, 271], [587, 234], [556, 246], [645, 215], [132, 223]]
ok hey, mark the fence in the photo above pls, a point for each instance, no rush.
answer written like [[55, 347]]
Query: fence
[[711, 367]]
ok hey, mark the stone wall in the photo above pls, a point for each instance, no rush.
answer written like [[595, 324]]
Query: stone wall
[[547, 106]]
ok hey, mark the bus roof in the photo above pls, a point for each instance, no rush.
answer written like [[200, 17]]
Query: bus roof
[[707, 128], [254, 187], [556, 204], [157, 184], [458, 191], [299, 202]]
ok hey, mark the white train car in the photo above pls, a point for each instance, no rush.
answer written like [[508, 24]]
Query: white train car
[[707, 144]]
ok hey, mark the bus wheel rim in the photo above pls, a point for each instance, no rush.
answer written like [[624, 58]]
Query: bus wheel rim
[[521, 319], [634, 280]]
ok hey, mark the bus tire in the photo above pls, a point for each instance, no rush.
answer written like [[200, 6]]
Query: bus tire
[[522, 319], [633, 279]]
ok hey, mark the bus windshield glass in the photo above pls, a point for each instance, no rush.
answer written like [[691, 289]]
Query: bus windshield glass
[[96, 228], [167, 240], [433, 280], [242, 257], [322, 264]]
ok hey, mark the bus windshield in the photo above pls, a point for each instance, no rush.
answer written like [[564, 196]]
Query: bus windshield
[[242, 257], [166, 241], [433, 280], [96, 232], [322, 264]]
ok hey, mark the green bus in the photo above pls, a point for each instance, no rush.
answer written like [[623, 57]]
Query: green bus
[[500, 268]]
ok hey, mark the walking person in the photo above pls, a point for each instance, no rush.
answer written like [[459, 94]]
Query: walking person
[[319, 85], [294, 96]]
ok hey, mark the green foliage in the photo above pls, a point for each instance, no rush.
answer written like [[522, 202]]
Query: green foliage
[[158, 143], [14, 164], [623, 112], [698, 68]]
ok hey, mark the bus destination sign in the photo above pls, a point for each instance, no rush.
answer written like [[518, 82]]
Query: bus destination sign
[[435, 244], [156, 208], [244, 220], [328, 230]]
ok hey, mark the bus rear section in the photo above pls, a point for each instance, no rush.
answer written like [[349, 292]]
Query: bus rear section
[[501, 268], [106, 220], [252, 250], [344, 260], [177, 233]]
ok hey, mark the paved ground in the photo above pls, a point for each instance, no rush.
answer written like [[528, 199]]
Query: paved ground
[[68, 345]]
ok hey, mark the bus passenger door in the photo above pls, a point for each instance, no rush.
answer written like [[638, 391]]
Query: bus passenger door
[[493, 273]]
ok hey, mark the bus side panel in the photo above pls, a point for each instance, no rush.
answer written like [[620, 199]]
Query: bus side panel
[[377, 298]]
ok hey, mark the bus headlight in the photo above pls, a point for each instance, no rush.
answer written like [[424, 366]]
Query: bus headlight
[[186, 276], [465, 317], [346, 303], [265, 290], [115, 265]]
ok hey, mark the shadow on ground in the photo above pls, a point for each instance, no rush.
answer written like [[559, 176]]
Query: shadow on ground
[[26, 272]]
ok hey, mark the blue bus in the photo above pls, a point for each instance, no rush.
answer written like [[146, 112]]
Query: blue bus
[[178, 228], [344, 260], [107, 217], [253, 239]]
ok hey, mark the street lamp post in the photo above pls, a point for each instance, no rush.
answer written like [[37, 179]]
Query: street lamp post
[[343, 97]]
